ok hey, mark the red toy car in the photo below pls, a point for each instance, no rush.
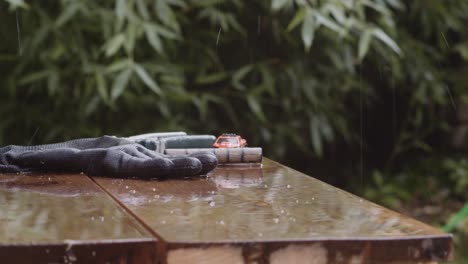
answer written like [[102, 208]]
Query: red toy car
[[229, 141]]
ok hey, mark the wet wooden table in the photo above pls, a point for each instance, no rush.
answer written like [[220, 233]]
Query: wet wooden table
[[238, 214]]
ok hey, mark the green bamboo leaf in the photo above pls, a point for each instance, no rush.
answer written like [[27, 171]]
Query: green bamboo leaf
[[143, 9], [256, 108], [456, 219], [91, 106], [278, 4], [328, 23], [315, 136], [34, 77], [239, 75], [268, 80], [14, 4], [153, 39], [120, 8], [326, 130], [297, 19], [380, 34], [52, 82], [130, 37], [211, 78], [379, 7], [378, 178], [364, 43], [396, 4], [178, 3], [118, 65], [120, 83], [67, 14], [462, 49], [201, 106], [166, 15], [114, 44], [308, 30], [337, 12], [101, 86], [164, 32], [146, 78]]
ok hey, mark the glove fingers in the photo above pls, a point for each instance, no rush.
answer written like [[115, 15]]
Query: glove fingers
[[208, 161], [135, 153], [120, 164], [147, 152], [9, 168], [185, 166]]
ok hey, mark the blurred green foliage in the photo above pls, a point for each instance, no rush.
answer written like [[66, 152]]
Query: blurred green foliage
[[178, 64], [432, 189], [366, 84]]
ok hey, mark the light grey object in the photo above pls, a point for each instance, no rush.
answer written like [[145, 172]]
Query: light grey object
[[158, 142], [186, 142], [224, 155], [156, 135]]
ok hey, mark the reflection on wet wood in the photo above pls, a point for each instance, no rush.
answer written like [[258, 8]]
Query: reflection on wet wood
[[66, 218], [272, 214]]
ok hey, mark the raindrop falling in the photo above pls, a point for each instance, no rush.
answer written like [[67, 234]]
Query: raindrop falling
[[19, 33], [217, 38]]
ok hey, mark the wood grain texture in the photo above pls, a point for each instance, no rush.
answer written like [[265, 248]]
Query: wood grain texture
[[271, 214], [67, 218]]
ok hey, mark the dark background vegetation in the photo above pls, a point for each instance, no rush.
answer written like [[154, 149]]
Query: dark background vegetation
[[369, 95]]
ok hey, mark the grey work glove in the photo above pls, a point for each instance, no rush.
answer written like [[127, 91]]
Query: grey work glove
[[104, 156]]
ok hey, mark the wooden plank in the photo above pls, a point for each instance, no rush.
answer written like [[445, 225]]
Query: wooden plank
[[273, 214], [67, 218]]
